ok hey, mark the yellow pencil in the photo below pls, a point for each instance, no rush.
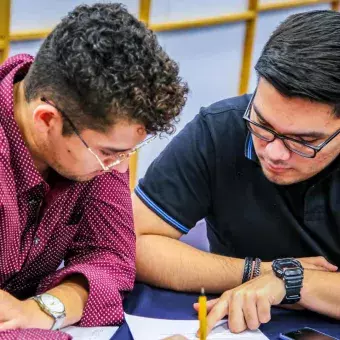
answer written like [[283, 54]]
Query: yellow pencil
[[202, 315]]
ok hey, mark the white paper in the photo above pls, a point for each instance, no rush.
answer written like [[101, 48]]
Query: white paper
[[156, 329], [90, 333]]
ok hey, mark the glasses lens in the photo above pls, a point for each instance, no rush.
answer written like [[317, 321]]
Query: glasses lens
[[119, 158], [267, 136], [299, 148], [124, 156], [260, 132]]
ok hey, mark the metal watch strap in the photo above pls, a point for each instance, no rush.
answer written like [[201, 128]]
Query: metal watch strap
[[58, 318], [58, 322]]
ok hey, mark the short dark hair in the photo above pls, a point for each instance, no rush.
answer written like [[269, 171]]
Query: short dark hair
[[302, 57], [101, 64]]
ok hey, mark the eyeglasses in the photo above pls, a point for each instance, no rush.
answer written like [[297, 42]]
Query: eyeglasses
[[299, 147], [120, 157]]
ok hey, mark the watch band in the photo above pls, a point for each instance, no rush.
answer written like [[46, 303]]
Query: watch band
[[58, 322], [58, 317], [290, 271]]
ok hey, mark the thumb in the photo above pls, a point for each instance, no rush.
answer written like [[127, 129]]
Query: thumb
[[318, 263], [324, 263], [5, 326]]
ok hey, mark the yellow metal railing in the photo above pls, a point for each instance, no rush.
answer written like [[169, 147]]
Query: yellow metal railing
[[203, 22], [290, 3], [5, 15], [249, 16], [248, 43], [144, 15]]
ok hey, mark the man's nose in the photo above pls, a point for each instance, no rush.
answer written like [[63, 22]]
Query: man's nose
[[277, 151], [122, 166]]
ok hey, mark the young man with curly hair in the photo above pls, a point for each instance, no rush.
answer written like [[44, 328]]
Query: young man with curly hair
[[69, 119]]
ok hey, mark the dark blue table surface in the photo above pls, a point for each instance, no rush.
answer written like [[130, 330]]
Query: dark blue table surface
[[158, 303]]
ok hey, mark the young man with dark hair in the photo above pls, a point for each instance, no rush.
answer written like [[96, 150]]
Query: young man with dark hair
[[263, 170], [69, 120]]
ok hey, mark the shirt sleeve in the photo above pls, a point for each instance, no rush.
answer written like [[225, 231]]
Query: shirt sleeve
[[33, 334], [177, 185], [103, 251]]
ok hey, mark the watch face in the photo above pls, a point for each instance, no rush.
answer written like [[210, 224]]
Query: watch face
[[289, 266], [52, 303], [287, 263], [293, 271]]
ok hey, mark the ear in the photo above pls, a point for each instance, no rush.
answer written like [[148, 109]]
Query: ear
[[46, 118]]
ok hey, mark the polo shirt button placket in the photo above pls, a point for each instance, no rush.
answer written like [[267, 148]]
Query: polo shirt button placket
[[36, 204], [32, 202]]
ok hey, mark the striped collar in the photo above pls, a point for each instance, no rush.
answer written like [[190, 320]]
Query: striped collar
[[249, 150]]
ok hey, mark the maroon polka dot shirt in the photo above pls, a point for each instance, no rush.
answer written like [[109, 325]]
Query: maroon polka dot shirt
[[89, 225]]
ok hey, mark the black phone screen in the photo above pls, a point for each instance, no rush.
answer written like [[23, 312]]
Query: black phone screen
[[307, 334]]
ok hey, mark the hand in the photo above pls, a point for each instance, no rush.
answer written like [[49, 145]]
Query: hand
[[248, 305], [176, 337], [16, 314]]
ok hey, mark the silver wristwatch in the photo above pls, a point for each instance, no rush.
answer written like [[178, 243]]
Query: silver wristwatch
[[53, 307]]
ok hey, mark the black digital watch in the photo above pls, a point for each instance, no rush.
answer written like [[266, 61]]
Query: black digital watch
[[290, 271]]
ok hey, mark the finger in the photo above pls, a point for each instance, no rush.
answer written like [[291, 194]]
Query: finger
[[320, 268], [210, 304], [176, 337], [321, 261], [12, 324], [218, 311], [312, 266], [250, 311], [263, 309], [317, 263], [236, 319]]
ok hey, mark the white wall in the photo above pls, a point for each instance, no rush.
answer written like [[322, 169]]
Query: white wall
[[209, 58], [44, 14], [210, 61], [266, 24], [175, 10]]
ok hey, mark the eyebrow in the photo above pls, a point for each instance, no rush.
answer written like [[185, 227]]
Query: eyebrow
[[313, 134]]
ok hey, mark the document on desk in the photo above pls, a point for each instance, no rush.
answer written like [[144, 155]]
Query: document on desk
[[90, 333], [156, 329]]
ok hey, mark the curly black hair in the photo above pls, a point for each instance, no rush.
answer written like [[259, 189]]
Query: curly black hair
[[100, 64]]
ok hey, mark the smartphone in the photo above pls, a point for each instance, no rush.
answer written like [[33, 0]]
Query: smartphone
[[306, 333]]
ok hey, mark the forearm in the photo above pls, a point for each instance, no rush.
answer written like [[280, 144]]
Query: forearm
[[321, 292], [169, 263], [73, 293]]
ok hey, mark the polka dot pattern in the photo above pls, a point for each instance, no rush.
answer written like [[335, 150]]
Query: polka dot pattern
[[87, 225], [33, 334]]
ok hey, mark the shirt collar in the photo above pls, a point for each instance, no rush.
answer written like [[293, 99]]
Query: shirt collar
[[249, 150], [25, 173]]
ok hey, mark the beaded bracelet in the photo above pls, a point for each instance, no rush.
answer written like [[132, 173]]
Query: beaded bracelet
[[257, 268]]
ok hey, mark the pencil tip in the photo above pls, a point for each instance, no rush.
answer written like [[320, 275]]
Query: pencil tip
[[202, 291]]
